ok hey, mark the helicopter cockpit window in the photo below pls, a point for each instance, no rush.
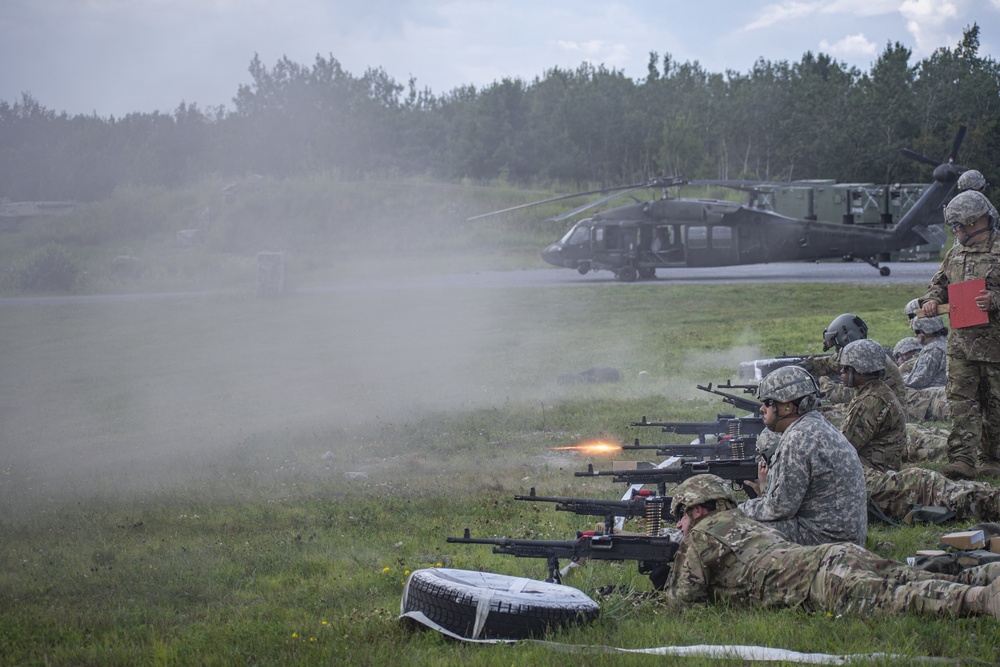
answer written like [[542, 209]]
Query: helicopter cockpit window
[[722, 237], [697, 237], [576, 235]]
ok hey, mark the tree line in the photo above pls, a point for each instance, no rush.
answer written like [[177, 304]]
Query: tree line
[[815, 118]]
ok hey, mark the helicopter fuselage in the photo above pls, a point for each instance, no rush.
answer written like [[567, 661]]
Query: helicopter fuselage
[[633, 241]]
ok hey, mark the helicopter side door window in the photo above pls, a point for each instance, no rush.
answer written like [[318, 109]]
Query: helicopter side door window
[[697, 237], [722, 237], [612, 238]]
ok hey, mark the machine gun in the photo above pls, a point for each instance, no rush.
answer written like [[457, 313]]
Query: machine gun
[[737, 402], [726, 447], [731, 425], [653, 554], [643, 503], [734, 470]]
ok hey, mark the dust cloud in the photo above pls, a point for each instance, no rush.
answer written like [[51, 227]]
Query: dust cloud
[[104, 397]]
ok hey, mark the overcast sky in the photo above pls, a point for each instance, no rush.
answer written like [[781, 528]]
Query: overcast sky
[[114, 57]]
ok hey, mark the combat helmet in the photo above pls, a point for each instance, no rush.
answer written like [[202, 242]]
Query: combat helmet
[[971, 180], [843, 330], [912, 308], [788, 383], [767, 444], [967, 208], [700, 489], [864, 356], [907, 345], [928, 325]]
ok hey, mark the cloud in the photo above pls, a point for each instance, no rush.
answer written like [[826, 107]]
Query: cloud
[[597, 51], [927, 21], [849, 47], [772, 14]]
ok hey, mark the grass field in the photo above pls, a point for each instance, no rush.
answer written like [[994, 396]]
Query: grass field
[[173, 487]]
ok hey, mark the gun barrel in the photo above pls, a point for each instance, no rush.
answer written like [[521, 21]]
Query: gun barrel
[[726, 447], [734, 470], [643, 548]]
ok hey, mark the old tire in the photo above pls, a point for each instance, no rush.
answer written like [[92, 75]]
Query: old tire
[[506, 607]]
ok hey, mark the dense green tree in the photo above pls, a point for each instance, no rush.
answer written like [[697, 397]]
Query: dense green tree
[[575, 128]]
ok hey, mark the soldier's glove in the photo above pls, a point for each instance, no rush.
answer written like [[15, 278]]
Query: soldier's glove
[[806, 365], [659, 576]]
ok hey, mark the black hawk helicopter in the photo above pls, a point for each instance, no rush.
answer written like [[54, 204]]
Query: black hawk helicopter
[[634, 241]]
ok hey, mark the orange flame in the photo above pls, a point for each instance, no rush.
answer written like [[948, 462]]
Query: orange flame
[[594, 448]]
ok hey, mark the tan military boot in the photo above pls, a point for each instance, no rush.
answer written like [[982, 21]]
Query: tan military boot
[[959, 470], [989, 469], [984, 600]]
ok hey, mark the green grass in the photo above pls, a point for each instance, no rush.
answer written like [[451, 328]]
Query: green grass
[[173, 488]]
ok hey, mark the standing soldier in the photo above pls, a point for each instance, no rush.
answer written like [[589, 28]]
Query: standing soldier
[[726, 557], [814, 488], [875, 423], [973, 385]]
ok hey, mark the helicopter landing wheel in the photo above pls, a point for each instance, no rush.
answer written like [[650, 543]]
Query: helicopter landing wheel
[[627, 274], [647, 273], [884, 271], [583, 268]]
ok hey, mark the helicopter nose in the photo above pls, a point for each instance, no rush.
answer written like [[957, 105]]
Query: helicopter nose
[[553, 255]]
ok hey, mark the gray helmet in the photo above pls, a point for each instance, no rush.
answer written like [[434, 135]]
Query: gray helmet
[[971, 180], [911, 309], [767, 444], [700, 489], [843, 330], [864, 356], [786, 384], [967, 208], [907, 345], [928, 325]]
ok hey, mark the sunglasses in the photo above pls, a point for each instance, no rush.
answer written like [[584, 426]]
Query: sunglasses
[[768, 402]]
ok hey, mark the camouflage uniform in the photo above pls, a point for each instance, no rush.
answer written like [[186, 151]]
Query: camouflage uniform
[[876, 425], [973, 384], [930, 368], [726, 557], [926, 443], [815, 488], [895, 492], [930, 404], [838, 393]]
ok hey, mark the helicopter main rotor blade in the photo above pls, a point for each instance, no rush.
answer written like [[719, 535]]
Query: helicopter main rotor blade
[[536, 203], [654, 183], [580, 209]]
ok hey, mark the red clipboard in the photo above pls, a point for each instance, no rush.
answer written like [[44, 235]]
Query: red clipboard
[[963, 311]]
